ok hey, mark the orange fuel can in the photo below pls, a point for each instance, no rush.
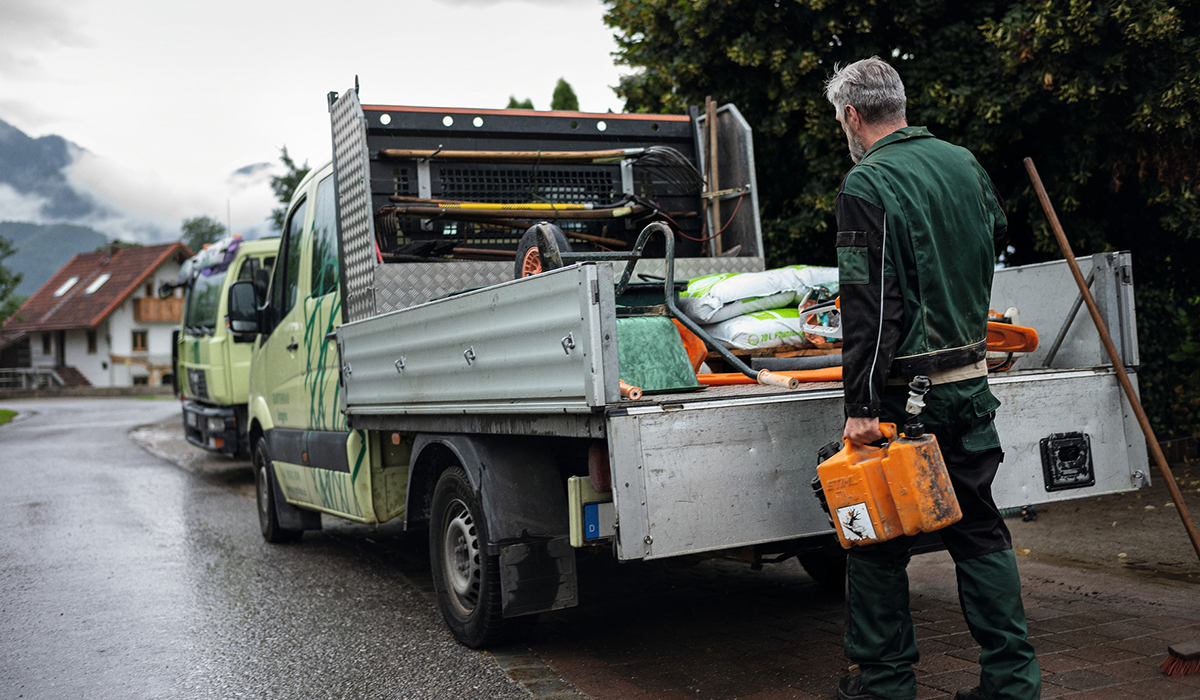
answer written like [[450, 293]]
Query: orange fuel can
[[878, 493]]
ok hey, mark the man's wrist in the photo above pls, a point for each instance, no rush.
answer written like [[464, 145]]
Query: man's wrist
[[861, 410]]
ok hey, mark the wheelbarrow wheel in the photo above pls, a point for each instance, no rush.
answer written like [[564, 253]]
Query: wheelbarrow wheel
[[528, 261]]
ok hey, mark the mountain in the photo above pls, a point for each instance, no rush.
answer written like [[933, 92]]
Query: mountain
[[42, 249], [34, 168]]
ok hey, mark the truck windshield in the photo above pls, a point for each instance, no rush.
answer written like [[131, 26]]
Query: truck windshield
[[202, 300]]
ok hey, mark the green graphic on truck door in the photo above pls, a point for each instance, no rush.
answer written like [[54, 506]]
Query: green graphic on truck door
[[335, 476], [323, 312]]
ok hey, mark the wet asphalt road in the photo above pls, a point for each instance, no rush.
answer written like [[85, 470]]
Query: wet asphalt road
[[124, 576]]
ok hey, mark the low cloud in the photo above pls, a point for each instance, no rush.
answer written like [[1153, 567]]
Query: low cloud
[[16, 206], [150, 208]]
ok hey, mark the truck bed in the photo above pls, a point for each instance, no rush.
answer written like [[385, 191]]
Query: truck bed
[[721, 467]]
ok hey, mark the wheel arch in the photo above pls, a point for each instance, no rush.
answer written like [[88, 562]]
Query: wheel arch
[[524, 500], [517, 480]]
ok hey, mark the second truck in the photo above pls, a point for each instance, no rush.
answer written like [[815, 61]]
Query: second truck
[[212, 364]]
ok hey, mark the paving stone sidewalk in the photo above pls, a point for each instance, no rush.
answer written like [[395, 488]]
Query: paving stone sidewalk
[[717, 630]]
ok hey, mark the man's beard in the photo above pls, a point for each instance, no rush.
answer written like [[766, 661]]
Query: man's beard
[[857, 150]]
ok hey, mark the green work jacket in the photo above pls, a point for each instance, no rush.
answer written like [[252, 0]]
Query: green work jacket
[[916, 222]]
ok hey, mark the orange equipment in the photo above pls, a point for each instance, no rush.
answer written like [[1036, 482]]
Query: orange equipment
[[1005, 337], [878, 493], [825, 374]]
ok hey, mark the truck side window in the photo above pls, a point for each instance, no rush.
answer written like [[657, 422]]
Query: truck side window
[[325, 243], [286, 277], [248, 269]]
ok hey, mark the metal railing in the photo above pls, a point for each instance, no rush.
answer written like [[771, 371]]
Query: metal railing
[[29, 378]]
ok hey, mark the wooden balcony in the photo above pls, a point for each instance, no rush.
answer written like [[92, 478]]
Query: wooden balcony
[[154, 310]]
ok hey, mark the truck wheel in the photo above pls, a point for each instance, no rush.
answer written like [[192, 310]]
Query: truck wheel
[[528, 262], [466, 578], [264, 489], [827, 567]]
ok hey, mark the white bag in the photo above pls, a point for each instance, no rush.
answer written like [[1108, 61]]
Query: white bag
[[764, 329], [715, 298]]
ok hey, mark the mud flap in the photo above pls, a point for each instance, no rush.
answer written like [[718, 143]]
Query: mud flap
[[538, 576], [290, 517]]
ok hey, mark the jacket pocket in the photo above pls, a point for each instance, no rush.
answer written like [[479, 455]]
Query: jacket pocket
[[852, 265]]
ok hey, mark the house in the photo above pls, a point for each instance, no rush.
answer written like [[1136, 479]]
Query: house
[[98, 321]]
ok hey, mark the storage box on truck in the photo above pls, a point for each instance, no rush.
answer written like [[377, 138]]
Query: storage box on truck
[[401, 372]]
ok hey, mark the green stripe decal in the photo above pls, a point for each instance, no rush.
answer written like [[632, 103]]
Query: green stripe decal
[[362, 452]]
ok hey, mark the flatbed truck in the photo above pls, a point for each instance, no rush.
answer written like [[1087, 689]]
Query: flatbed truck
[[453, 395]]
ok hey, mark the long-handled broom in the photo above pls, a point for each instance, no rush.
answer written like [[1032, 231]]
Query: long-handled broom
[[1181, 658]]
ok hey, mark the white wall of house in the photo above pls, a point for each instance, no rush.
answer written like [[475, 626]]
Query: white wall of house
[[122, 327], [41, 353], [94, 364]]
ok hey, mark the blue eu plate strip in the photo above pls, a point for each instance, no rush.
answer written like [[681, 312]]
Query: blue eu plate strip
[[591, 521]]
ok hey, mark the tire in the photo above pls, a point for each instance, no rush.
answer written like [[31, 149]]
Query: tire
[[266, 498], [466, 578], [528, 263], [827, 567]]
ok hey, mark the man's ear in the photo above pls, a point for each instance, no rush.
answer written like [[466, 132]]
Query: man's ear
[[852, 117]]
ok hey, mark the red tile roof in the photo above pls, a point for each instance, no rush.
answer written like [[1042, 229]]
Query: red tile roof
[[128, 267]]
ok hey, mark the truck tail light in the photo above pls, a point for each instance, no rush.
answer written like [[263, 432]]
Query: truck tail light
[[598, 468]]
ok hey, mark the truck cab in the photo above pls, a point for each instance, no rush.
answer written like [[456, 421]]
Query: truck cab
[[294, 416], [212, 363]]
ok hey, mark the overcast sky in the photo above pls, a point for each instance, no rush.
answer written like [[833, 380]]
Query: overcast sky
[[171, 98]]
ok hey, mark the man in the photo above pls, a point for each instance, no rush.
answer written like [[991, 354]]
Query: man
[[916, 220]]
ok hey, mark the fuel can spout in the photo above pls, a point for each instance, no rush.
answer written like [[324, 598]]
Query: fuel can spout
[[917, 389]]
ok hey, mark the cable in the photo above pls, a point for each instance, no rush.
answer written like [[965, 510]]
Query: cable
[[709, 238]]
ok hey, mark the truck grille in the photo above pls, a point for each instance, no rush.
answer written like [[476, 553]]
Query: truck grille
[[198, 383]]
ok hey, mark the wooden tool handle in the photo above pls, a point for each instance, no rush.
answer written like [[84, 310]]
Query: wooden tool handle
[[1143, 421]]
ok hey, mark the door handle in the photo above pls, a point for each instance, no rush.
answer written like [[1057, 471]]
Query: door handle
[[293, 346]]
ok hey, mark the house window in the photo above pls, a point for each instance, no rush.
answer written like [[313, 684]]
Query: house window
[[141, 381], [91, 338], [46, 344], [150, 288], [139, 341]]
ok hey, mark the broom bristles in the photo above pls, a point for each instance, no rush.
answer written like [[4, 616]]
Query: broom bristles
[[1175, 666], [1182, 659]]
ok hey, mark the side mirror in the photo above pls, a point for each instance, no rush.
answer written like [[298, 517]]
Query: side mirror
[[243, 308]]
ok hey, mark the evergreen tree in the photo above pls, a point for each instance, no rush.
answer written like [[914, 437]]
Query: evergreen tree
[[199, 231], [564, 98], [9, 302], [284, 186], [514, 103]]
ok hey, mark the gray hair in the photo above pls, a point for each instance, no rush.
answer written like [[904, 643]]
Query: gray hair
[[872, 86]]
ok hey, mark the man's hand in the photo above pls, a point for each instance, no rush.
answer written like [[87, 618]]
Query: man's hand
[[862, 431]]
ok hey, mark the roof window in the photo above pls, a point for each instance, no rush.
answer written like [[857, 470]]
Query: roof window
[[66, 286], [97, 283]]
